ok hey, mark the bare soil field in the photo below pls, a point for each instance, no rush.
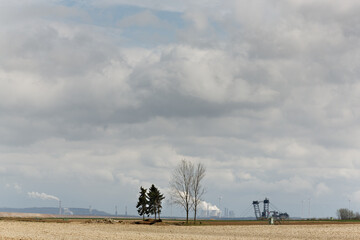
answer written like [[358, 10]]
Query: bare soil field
[[85, 229]]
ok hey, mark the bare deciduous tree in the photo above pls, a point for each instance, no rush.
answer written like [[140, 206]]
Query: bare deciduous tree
[[198, 189], [181, 186], [346, 214], [186, 186]]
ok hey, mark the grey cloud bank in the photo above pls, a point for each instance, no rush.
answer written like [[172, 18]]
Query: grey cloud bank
[[265, 94]]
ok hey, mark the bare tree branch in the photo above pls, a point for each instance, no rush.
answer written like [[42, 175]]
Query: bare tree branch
[[186, 186], [181, 186], [198, 189]]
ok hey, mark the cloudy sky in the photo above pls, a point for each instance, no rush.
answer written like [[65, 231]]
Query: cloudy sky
[[98, 98]]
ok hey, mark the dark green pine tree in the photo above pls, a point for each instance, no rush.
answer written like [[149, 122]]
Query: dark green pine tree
[[143, 202], [151, 197], [155, 201], [158, 202]]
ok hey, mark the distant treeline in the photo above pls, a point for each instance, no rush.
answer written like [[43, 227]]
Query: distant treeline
[[347, 214]]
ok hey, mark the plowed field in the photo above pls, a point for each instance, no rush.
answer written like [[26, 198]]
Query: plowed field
[[80, 230]]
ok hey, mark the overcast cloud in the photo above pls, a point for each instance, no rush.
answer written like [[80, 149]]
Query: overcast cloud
[[98, 98]]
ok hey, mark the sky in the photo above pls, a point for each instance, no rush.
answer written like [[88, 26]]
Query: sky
[[98, 98]]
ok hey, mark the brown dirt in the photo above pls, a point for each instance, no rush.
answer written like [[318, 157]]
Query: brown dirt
[[26, 230], [287, 222], [25, 215]]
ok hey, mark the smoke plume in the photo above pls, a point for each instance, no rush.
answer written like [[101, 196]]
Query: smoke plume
[[68, 212], [42, 196], [208, 206]]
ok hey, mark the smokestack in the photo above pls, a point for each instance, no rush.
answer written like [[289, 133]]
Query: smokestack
[[59, 207]]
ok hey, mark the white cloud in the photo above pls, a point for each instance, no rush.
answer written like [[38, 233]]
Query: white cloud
[[171, 5], [264, 93], [199, 19], [321, 189]]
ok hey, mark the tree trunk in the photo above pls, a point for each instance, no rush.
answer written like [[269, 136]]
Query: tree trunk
[[187, 216], [195, 214]]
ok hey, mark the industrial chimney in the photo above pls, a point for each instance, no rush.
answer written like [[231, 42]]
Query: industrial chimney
[[59, 207]]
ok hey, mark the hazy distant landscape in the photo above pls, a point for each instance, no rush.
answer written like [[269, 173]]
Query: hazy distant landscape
[[55, 211]]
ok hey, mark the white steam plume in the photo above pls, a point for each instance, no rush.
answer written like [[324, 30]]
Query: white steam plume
[[68, 212], [209, 210], [42, 196], [208, 206]]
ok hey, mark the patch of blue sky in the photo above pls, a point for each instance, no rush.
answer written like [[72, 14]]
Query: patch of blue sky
[[133, 34], [144, 36]]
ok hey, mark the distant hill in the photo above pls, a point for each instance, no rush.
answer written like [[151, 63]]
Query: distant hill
[[53, 210]]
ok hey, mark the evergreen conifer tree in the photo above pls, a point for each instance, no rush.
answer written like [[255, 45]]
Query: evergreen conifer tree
[[158, 203], [155, 201], [143, 202]]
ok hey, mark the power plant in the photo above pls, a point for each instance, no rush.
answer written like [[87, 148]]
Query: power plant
[[267, 212]]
